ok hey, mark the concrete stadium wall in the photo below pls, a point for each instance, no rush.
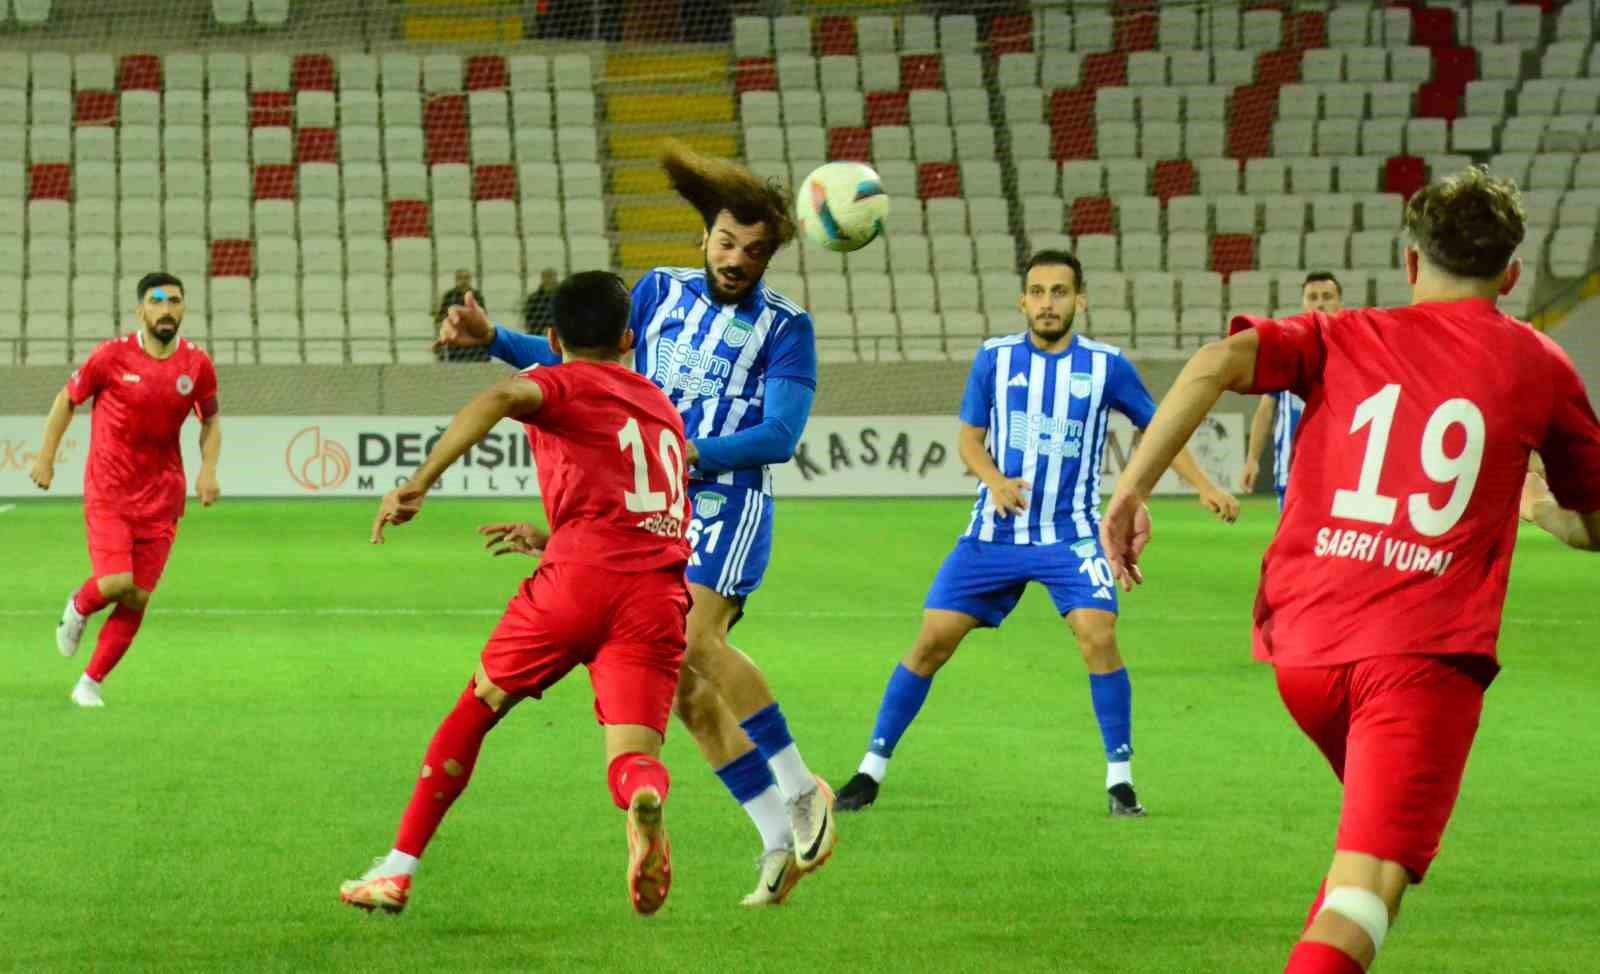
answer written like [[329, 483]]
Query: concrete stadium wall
[[1579, 334]]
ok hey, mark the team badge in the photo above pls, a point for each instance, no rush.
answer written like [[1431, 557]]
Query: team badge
[[737, 335], [709, 504], [185, 385], [1085, 548], [1080, 384]]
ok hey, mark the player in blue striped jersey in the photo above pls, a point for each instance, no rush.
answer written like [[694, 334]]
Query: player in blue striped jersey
[[1281, 410], [739, 361], [1033, 429]]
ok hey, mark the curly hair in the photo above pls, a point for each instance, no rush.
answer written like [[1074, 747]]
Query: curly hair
[[1469, 224], [713, 185]]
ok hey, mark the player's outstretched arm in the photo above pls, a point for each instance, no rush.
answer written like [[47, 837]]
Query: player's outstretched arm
[[1212, 496], [512, 397], [1228, 365], [773, 440], [210, 450], [43, 470], [468, 326], [1260, 429], [1581, 531]]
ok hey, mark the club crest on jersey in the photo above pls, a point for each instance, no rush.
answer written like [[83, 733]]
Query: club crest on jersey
[[737, 334], [1080, 384], [677, 314], [185, 385], [1085, 548], [709, 504]]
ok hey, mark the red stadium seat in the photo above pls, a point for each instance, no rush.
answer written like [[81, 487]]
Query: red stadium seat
[[1278, 67], [920, 71], [1437, 100], [486, 72], [95, 108], [312, 72], [444, 127], [50, 181], [231, 258], [1070, 140], [888, 108], [316, 145], [497, 182], [1404, 175], [938, 179], [850, 143], [1433, 27], [1173, 177], [1010, 34], [271, 108], [408, 218], [1232, 252], [1455, 66], [1105, 69], [1305, 30], [755, 74], [836, 35], [1136, 32], [1091, 214], [274, 182], [1072, 106], [139, 72], [1250, 116], [1132, 6]]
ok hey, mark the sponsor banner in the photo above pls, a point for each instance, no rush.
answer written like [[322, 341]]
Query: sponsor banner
[[364, 456]]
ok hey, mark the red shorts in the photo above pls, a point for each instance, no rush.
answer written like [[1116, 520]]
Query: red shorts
[[1397, 730], [118, 545], [628, 629]]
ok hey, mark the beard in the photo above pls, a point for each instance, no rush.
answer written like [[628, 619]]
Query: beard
[[1051, 330], [726, 291], [164, 329]]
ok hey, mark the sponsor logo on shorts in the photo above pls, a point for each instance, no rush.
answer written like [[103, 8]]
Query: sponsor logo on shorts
[[709, 504], [1102, 593], [1085, 548], [185, 385]]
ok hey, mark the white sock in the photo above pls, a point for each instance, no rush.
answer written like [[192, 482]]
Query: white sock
[[399, 864], [771, 818], [1119, 773], [794, 778], [875, 766], [86, 681]]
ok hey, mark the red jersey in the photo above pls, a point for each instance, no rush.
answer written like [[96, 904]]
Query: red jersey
[[1401, 511], [609, 448], [135, 464]]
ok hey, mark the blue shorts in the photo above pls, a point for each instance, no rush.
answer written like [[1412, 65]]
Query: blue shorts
[[1281, 492], [985, 579], [731, 537]]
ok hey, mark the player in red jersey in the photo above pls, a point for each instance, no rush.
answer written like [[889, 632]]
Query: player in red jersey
[[1380, 597], [609, 592], [144, 385]]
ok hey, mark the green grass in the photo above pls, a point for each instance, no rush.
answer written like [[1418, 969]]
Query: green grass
[[262, 736]]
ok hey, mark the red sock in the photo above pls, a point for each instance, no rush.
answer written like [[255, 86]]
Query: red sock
[[88, 599], [1310, 957], [446, 769], [115, 638], [632, 771], [1316, 904]]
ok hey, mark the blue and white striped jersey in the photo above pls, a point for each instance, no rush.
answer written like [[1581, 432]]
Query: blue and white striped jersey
[[1284, 427], [1046, 415], [714, 360]]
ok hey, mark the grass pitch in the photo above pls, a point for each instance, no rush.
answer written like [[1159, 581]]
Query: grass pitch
[[261, 738]]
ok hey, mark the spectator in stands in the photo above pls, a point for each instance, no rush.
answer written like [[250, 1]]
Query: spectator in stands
[[537, 314], [454, 296]]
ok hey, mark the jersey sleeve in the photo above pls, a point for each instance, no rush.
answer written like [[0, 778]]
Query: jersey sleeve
[[978, 400], [90, 378], [557, 388], [646, 293], [1291, 353], [1128, 394], [1571, 446], [793, 353], [205, 388]]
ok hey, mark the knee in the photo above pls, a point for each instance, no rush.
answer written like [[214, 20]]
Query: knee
[[134, 598], [1099, 649], [696, 700], [118, 587], [929, 653]]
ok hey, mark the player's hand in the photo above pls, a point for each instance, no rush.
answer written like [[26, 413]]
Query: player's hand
[[1124, 532], [515, 539], [399, 506], [465, 326], [207, 488], [1534, 492], [1247, 480], [691, 454], [42, 472], [1010, 496], [1221, 503]]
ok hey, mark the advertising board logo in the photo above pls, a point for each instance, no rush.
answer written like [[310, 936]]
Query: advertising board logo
[[316, 463]]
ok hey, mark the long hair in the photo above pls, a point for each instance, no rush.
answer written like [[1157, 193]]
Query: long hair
[[713, 185]]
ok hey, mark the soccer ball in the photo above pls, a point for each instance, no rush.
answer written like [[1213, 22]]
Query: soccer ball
[[842, 206]]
